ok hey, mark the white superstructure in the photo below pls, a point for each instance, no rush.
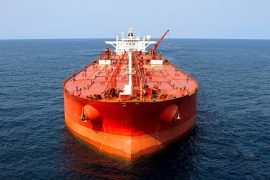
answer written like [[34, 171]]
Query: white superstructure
[[130, 43]]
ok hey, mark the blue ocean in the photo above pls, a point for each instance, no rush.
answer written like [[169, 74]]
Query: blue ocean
[[231, 139]]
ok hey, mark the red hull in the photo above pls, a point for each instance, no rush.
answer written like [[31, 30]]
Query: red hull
[[130, 129]]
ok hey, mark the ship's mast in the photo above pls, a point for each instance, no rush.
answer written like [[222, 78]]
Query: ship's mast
[[130, 36], [128, 87]]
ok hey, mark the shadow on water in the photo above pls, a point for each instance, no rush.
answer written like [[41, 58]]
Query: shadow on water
[[176, 160]]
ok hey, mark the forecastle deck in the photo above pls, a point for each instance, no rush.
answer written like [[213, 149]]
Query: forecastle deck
[[153, 79]]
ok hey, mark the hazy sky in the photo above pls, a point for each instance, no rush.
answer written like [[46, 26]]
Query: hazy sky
[[105, 18]]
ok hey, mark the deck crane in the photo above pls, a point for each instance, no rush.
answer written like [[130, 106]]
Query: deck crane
[[154, 48]]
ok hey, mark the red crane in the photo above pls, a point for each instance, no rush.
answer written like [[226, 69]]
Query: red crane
[[154, 48]]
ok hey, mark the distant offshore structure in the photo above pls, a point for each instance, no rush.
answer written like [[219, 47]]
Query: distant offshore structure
[[130, 101]]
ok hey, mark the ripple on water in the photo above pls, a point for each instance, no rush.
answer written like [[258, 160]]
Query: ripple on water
[[229, 141]]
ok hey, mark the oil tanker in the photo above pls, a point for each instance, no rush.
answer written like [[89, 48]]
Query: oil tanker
[[130, 101]]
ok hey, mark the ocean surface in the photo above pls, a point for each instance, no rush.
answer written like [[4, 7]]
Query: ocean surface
[[231, 139]]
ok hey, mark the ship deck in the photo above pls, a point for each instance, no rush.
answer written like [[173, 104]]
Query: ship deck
[[150, 82]]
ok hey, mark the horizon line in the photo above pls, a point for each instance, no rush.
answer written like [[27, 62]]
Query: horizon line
[[80, 38]]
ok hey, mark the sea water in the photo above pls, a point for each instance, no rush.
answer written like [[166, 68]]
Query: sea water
[[231, 139]]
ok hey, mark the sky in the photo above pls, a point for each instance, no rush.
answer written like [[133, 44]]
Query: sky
[[50, 19]]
